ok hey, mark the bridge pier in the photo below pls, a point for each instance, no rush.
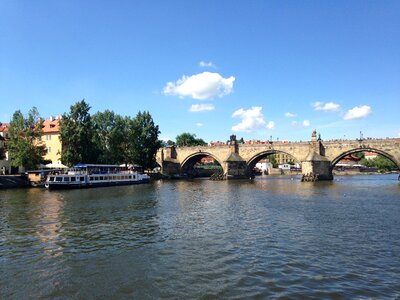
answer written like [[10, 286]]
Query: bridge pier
[[317, 167], [235, 167]]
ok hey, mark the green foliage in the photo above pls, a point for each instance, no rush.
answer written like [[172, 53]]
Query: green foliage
[[273, 160], [170, 143], [187, 139], [142, 140], [110, 137], [77, 135], [359, 155], [25, 146], [382, 163]]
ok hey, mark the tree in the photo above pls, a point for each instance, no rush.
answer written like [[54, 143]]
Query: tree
[[25, 146], [187, 139], [359, 155], [143, 140], [380, 162], [2, 153], [78, 136], [272, 160], [110, 137]]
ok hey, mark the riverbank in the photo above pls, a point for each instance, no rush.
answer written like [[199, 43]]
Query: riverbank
[[351, 173], [13, 181]]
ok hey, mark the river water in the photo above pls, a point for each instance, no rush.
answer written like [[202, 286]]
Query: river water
[[268, 238]]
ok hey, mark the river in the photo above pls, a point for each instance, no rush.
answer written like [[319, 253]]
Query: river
[[198, 239]]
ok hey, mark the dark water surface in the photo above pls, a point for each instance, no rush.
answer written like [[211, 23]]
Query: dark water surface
[[269, 238]]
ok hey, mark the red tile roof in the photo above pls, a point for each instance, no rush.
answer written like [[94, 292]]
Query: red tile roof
[[51, 126], [4, 127]]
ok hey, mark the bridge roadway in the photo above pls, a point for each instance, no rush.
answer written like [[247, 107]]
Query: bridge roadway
[[237, 160]]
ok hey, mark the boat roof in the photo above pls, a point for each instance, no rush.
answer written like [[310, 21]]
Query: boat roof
[[95, 166]]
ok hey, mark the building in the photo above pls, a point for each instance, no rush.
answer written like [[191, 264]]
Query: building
[[208, 160], [349, 161], [285, 167], [4, 130], [370, 155], [5, 166], [51, 138], [264, 165], [283, 158]]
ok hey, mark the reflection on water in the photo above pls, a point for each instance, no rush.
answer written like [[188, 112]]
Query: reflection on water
[[271, 237]]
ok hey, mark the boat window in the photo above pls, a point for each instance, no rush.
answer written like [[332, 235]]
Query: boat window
[[82, 178], [101, 177], [73, 178], [91, 177], [66, 179], [58, 178], [51, 178], [96, 178]]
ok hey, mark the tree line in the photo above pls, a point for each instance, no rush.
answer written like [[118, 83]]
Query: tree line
[[105, 137]]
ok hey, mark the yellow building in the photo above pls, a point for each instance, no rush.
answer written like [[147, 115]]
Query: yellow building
[[51, 138], [283, 158]]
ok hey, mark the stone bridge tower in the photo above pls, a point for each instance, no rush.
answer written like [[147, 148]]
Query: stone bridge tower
[[235, 166], [316, 165]]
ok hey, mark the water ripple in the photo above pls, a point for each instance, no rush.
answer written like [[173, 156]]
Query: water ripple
[[263, 239]]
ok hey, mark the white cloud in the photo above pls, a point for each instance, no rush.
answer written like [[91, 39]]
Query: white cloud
[[329, 106], [201, 107], [201, 86], [290, 115], [271, 125], [252, 119], [204, 64], [199, 124], [305, 123], [357, 112]]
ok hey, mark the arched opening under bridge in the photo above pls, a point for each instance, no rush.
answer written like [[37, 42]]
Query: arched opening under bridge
[[201, 164], [366, 160], [273, 162]]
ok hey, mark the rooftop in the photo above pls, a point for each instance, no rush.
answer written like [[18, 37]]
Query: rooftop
[[51, 126]]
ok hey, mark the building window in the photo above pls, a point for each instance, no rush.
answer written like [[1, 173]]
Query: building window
[[48, 137]]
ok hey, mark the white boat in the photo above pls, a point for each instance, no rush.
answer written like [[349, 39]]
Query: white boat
[[94, 175]]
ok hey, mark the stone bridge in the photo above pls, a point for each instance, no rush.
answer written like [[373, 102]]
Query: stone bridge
[[238, 160]]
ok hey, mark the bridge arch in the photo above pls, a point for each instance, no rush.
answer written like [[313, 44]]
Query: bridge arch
[[190, 160], [251, 163], [355, 150]]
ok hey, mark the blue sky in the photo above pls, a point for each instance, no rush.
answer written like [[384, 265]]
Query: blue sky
[[213, 68]]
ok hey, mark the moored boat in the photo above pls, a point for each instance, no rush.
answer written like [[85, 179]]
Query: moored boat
[[94, 175]]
